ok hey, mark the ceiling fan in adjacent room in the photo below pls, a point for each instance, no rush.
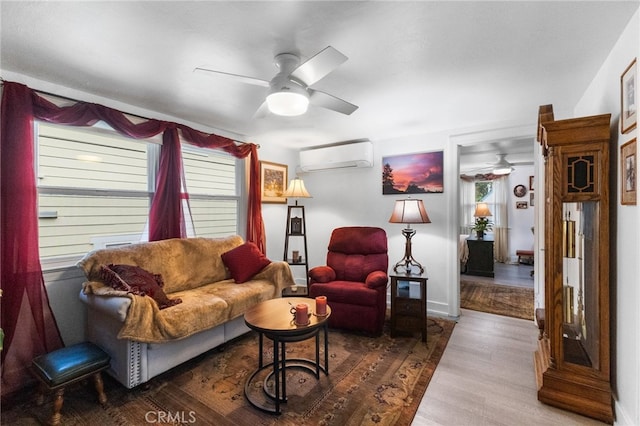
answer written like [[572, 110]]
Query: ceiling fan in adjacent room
[[500, 167], [289, 93]]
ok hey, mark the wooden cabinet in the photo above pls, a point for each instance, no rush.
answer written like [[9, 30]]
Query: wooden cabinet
[[573, 359], [480, 261], [409, 304]]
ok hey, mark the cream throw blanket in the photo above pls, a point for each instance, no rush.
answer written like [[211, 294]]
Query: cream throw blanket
[[203, 306]]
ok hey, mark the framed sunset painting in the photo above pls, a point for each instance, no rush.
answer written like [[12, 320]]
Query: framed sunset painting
[[419, 173]]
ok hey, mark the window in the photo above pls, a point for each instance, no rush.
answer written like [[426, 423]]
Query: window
[[95, 188], [212, 184], [484, 193]]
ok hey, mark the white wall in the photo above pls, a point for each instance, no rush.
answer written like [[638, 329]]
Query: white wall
[[353, 197], [603, 96], [520, 220]]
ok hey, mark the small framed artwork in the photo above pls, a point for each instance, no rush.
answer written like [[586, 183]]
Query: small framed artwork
[[520, 191], [628, 106], [531, 183], [531, 198], [522, 205], [628, 178], [274, 182], [296, 225]]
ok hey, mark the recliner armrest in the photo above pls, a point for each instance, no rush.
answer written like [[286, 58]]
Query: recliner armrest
[[376, 279], [322, 274]]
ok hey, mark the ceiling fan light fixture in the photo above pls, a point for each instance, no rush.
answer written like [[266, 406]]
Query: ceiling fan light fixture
[[287, 103], [502, 170], [502, 167]]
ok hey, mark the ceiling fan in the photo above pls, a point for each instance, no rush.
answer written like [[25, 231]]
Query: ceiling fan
[[500, 167], [289, 93]]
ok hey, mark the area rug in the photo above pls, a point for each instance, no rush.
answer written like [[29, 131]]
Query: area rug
[[497, 299], [372, 380]]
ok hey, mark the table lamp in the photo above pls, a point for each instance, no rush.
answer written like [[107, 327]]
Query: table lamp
[[482, 223], [409, 211]]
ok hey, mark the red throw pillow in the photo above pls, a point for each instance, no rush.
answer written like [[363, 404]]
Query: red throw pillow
[[135, 280], [245, 261]]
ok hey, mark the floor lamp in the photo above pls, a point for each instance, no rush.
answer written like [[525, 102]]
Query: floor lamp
[[296, 226]]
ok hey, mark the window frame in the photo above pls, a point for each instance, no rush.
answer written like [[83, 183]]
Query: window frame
[[153, 156]]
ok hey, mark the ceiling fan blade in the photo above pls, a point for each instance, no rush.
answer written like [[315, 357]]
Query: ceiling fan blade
[[328, 101], [319, 66], [261, 112], [237, 77]]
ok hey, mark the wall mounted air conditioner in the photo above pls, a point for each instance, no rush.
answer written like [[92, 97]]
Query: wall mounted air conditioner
[[358, 154]]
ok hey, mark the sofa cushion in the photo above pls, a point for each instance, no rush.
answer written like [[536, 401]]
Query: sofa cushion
[[245, 261], [136, 280]]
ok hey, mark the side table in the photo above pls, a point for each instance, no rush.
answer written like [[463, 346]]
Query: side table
[[272, 319], [409, 304], [480, 260]]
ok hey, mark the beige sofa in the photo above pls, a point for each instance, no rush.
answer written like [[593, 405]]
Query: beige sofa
[[143, 340]]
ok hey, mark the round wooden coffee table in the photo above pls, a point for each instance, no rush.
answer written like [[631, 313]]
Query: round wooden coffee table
[[274, 320]]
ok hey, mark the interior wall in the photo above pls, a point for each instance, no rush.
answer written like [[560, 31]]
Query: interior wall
[[603, 96], [520, 219], [353, 197]]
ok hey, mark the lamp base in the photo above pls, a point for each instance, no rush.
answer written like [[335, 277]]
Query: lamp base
[[408, 262]]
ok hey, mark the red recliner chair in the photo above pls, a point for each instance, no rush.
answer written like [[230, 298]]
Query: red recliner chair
[[354, 279]]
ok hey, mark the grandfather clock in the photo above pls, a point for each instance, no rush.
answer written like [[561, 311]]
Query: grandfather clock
[[573, 357]]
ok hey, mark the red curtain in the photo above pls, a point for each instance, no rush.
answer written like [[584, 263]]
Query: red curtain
[[166, 218], [20, 268], [24, 297], [255, 225]]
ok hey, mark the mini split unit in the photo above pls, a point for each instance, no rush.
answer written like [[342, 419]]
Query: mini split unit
[[359, 154]]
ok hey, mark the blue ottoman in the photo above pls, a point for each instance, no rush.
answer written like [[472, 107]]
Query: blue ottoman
[[65, 366]]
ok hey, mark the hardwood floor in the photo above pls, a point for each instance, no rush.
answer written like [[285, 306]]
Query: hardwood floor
[[508, 274], [486, 377]]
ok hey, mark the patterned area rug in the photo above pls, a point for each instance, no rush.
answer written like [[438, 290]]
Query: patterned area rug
[[371, 381], [497, 299]]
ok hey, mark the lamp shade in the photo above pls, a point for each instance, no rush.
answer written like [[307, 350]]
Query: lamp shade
[[409, 211], [482, 210], [296, 189]]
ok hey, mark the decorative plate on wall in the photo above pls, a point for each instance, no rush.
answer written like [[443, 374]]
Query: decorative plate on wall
[[520, 191]]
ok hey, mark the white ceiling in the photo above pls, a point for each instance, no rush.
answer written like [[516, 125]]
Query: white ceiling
[[413, 68]]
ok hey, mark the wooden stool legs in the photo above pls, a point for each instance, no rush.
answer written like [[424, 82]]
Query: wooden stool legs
[[58, 398], [97, 379]]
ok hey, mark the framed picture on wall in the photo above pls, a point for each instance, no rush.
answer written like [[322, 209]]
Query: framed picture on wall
[[628, 179], [628, 104], [522, 205], [274, 182], [519, 191], [420, 173]]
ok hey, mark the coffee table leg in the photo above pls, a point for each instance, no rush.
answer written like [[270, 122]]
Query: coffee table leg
[[260, 350], [318, 355], [276, 371], [326, 349], [283, 370]]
